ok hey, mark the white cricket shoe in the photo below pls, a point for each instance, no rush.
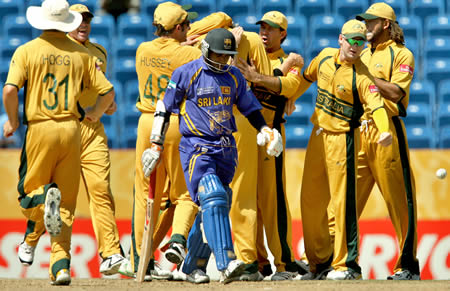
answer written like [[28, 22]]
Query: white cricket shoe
[[126, 269], [62, 277], [178, 275], [175, 253], [159, 273], [26, 254], [111, 264], [198, 277], [52, 216], [348, 274], [246, 276], [284, 276], [232, 273], [404, 275]]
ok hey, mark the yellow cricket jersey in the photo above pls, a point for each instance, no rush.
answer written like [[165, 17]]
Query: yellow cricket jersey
[[155, 62], [249, 49], [54, 70], [394, 63], [250, 46], [89, 97], [342, 90], [210, 22], [291, 81]]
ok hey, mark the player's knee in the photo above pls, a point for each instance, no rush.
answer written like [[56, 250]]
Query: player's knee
[[211, 192]]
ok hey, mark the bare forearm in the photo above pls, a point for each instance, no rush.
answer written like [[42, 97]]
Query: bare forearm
[[104, 102], [389, 90], [11, 103], [269, 82]]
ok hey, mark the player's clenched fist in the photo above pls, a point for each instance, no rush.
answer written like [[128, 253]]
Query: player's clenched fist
[[150, 158], [272, 139]]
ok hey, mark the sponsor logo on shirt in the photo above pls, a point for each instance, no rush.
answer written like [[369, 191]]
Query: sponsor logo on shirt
[[206, 90], [373, 89], [406, 69], [171, 85], [340, 88], [294, 71]]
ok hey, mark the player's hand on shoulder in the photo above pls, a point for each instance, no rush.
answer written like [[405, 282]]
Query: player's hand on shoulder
[[272, 139], [248, 70], [112, 108], [150, 158], [237, 33], [191, 40], [385, 139]]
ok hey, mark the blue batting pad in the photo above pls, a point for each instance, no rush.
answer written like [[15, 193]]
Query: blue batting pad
[[198, 251], [214, 202]]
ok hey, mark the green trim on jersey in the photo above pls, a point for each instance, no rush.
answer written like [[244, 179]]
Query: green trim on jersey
[[391, 51], [23, 167], [100, 49], [358, 109]]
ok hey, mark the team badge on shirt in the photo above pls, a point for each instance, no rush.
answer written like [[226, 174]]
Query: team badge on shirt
[[171, 85], [373, 89], [340, 88], [406, 69], [226, 90], [98, 64]]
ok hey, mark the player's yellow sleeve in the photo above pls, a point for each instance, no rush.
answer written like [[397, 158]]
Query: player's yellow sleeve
[[94, 77], [403, 73], [381, 119], [258, 53], [309, 75], [17, 74], [291, 82], [210, 22]]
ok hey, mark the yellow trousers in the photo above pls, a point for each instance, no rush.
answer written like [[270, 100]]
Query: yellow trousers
[[169, 177], [259, 183], [95, 173], [51, 158], [390, 168], [329, 176]]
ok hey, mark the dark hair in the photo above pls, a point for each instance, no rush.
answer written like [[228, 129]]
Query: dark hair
[[284, 38], [396, 32], [161, 31]]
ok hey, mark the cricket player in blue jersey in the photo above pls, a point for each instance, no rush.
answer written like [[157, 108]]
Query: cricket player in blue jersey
[[203, 93]]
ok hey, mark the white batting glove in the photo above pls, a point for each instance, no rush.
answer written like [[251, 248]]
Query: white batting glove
[[271, 138], [150, 158]]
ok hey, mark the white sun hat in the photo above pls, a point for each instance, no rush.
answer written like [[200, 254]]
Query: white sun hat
[[54, 14]]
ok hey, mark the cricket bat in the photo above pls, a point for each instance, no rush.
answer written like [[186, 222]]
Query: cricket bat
[[147, 237]]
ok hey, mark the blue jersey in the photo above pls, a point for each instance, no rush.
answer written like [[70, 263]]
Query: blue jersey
[[204, 100]]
